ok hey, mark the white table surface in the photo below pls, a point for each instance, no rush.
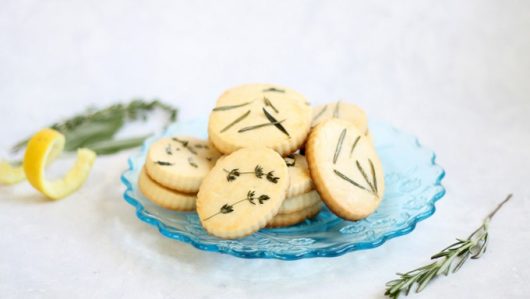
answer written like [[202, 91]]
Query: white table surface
[[454, 73]]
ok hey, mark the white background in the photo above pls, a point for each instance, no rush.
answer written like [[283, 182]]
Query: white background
[[454, 73]]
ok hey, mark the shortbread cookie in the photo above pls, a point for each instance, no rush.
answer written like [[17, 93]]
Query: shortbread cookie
[[341, 110], [243, 192], [164, 197], [282, 220], [300, 179], [345, 169], [255, 115], [299, 202], [180, 163]]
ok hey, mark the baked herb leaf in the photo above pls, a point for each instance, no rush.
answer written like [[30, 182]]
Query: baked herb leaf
[[235, 121], [269, 104], [319, 114], [338, 147], [274, 89], [229, 208], [223, 108], [276, 123], [271, 178]]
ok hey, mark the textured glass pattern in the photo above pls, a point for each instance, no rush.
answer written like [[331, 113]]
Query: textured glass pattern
[[413, 185]]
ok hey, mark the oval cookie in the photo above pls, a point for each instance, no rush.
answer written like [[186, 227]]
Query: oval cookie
[[299, 202], [255, 115], [341, 110], [282, 220], [345, 169], [300, 179], [180, 163], [165, 197], [242, 193]]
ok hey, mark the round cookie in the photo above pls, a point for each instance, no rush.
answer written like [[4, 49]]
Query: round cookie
[[345, 169], [299, 202], [243, 191], [282, 220], [341, 110], [254, 115], [165, 197], [300, 179], [180, 163]]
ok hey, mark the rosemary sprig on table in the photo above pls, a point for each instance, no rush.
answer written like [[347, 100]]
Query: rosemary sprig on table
[[95, 129], [452, 257]]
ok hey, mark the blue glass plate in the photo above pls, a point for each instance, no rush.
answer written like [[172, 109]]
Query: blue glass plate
[[413, 185]]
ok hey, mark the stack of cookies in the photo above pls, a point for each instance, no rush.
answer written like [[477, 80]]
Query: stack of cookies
[[271, 161], [174, 169]]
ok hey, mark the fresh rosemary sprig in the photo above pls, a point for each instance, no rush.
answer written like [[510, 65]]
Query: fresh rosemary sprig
[[452, 257], [95, 129]]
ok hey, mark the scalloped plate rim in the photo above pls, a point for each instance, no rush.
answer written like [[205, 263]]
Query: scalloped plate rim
[[330, 251]]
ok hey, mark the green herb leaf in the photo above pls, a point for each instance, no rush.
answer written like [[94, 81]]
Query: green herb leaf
[[93, 127], [249, 128], [276, 123], [361, 170], [223, 108], [458, 252], [273, 89], [319, 114], [354, 145], [347, 179], [269, 103], [336, 111], [235, 121], [108, 147], [338, 147]]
